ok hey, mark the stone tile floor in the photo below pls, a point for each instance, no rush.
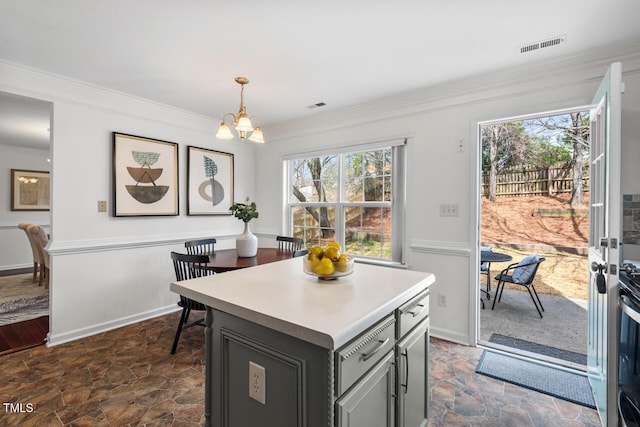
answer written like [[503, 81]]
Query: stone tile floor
[[460, 397], [127, 377]]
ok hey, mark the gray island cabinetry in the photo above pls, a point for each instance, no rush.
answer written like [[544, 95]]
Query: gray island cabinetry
[[286, 349]]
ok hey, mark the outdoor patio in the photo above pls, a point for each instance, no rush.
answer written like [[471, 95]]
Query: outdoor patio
[[564, 325], [561, 283]]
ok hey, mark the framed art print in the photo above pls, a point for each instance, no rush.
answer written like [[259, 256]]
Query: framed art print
[[209, 182], [145, 176], [29, 190]]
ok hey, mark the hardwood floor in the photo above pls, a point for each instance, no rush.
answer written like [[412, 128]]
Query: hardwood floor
[[22, 335], [15, 271], [127, 377]]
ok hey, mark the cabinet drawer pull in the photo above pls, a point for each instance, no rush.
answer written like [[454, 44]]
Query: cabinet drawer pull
[[415, 313], [406, 372], [367, 356]]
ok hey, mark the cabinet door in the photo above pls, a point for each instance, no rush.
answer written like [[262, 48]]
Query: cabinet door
[[370, 402], [413, 374]]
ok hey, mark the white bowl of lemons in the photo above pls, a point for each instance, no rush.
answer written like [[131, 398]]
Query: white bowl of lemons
[[327, 263]]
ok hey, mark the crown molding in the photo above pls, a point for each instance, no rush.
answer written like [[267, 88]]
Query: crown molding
[[572, 70], [27, 81]]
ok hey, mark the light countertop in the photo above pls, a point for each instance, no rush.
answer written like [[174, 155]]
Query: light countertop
[[282, 297]]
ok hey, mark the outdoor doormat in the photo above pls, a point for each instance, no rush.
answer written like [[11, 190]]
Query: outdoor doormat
[[545, 350], [560, 383]]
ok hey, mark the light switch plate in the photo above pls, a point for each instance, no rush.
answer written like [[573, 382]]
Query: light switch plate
[[102, 205]]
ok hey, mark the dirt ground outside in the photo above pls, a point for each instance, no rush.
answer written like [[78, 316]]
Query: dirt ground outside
[[508, 225]]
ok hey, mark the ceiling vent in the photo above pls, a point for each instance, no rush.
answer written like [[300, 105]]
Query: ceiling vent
[[554, 41]]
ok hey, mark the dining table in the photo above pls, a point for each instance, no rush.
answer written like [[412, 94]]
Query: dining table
[[489, 256], [228, 259]]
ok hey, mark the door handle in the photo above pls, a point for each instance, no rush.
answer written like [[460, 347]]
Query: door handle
[[598, 267], [405, 354], [604, 241], [601, 282]]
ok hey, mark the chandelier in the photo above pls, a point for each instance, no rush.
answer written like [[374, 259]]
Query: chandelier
[[241, 121]]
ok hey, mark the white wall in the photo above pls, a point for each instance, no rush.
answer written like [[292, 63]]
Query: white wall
[[435, 120], [15, 251], [107, 271]]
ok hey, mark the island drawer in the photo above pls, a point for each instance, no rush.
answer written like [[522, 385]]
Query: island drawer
[[412, 313], [361, 354]]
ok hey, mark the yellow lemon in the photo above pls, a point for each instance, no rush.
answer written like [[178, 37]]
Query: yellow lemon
[[317, 251], [312, 261], [341, 265], [325, 267], [334, 244], [332, 253]]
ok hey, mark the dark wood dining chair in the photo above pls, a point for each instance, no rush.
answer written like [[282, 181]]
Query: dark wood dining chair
[[200, 247], [300, 252], [286, 243], [187, 267]]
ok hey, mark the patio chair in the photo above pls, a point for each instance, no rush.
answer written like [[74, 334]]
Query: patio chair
[[286, 243], [484, 269], [521, 273], [187, 267], [201, 247]]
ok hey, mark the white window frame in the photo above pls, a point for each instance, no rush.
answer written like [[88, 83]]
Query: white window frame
[[397, 204]]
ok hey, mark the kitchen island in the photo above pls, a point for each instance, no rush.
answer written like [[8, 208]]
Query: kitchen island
[[286, 349]]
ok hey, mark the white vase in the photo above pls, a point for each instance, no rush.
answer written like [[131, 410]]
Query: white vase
[[246, 243]]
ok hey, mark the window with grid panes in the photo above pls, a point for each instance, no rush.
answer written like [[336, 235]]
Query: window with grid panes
[[354, 196]]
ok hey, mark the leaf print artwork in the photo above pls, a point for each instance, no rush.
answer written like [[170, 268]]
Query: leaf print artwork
[[217, 191]]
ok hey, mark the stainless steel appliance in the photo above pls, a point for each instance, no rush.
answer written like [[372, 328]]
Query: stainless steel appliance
[[629, 345]]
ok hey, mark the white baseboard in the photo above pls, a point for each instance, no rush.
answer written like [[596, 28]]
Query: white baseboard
[[15, 267], [56, 339], [448, 335]]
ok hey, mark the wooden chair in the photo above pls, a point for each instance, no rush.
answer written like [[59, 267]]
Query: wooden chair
[[24, 226], [200, 247], [522, 274], [189, 266], [286, 243], [41, 240]]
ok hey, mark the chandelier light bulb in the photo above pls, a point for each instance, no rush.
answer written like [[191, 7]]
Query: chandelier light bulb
[[224, 132]]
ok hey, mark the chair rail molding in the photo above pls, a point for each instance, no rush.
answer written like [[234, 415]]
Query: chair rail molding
[[70, 247], [440, 248], [12, 225]]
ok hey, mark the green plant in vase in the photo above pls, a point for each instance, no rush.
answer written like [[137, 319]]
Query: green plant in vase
[[245, 211]]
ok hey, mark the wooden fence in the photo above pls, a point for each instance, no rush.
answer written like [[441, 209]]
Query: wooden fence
[[534, 182]]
